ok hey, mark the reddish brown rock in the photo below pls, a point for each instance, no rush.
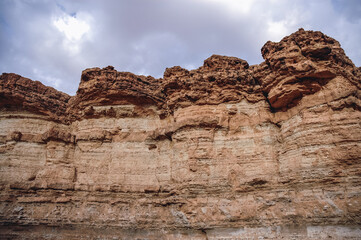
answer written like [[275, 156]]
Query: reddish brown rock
[[17, 92], [225, 151], [108, 87], [301, 64], [220, 80]]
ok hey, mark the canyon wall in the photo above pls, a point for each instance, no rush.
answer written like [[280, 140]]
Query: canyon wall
[[225, 151]]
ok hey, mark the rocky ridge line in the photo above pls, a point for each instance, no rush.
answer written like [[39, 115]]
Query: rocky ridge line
[[298, 65]]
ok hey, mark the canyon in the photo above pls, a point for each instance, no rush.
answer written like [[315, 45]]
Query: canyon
[[225, 151]]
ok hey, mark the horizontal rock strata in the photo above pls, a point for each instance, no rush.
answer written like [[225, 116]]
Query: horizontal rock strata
[[225, 151]]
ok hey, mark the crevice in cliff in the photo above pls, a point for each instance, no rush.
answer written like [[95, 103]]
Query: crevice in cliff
[[265, 94]]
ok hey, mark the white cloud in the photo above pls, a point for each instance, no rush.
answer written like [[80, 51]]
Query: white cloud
[[73, 28], [277, 30], [234, 6]]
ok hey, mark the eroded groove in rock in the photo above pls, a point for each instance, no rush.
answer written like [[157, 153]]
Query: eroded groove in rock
[[224, 151]]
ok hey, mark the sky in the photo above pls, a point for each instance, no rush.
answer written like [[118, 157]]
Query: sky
[[54, 40]]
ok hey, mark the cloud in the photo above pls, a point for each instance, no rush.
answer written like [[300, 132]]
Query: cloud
[[53, 41], [73, 28]]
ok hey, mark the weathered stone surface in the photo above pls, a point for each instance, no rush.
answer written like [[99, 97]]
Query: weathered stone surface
[[300, 65], [221, 79], [17, 92], [226, 151], [99, 87]]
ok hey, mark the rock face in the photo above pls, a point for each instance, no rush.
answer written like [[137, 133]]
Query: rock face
[[226, 151]]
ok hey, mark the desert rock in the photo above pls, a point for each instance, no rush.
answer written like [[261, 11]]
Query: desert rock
[[225, 151]]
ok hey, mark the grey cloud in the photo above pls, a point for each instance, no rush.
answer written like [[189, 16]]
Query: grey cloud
[[350, 9]]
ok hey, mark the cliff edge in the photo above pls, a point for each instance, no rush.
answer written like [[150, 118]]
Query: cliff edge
[[225, 151]]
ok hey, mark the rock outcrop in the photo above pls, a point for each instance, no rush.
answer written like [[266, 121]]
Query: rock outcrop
[[226, 151], [20, 93]]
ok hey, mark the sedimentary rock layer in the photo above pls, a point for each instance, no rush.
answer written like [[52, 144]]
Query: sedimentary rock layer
[[225, 151]]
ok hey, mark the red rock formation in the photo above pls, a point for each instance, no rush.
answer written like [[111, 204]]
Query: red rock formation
[[221, 79], [108, 87], [224, 151], [300, 65], [19, 92]]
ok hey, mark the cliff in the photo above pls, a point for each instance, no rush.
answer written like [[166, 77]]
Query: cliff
[[225, 151]]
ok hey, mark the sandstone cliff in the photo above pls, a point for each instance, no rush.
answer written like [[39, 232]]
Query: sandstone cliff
[[226, 151]]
